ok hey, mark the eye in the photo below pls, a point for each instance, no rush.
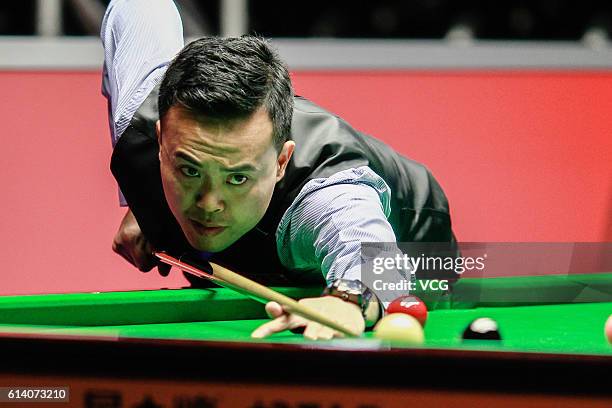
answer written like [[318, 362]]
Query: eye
[[237, 179], [189, 171]]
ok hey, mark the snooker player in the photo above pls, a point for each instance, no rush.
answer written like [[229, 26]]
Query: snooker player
[[217, 158]]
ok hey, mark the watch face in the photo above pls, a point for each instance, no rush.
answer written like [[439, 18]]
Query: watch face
[[351, 286], [352, 291]]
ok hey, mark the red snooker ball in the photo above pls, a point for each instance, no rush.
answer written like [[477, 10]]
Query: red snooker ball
[[410, 305]]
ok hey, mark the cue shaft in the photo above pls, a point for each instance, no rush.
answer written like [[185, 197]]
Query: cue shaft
[[227, 278], [192, 270]]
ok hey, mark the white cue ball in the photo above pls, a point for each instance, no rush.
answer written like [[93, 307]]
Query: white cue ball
[[399, 327]]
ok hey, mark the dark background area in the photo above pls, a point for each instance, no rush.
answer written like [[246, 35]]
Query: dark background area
[[416, 19]]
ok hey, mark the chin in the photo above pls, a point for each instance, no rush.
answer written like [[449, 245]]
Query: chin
[[211, 248], [197, 243]]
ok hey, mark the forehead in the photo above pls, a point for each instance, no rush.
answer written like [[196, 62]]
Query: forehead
[[197, 134]]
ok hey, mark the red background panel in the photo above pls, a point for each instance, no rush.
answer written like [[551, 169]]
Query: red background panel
[[60, 206], [522, 156]]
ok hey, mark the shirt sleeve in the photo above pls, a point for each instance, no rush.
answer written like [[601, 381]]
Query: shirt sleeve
[[140, 38], [329, 220]]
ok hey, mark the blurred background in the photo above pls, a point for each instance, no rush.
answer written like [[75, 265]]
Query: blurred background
[[554, 20], [509, 103]]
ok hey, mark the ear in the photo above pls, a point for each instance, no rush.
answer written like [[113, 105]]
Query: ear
[[158, 133], [283, 159]]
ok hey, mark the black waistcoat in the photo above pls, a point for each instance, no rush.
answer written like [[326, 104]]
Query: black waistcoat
[[325, 144]]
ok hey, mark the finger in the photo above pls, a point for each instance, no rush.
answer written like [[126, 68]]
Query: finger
[[274, 326], [282, 323], [338, 334], [145, 264], [163, 269], [145, 261], [146, 246], [274, 310], [325, 333], [317, 331], [120, 250], [115, 247], [312, 330]]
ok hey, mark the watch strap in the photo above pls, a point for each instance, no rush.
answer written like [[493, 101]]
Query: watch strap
[[356, 292]]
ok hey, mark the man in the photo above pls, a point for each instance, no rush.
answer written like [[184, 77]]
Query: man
[[239, 171]]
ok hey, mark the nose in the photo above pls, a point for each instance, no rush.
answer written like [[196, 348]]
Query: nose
[[210, 201]]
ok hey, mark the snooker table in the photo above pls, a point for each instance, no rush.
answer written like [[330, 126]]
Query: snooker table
[[192, 348]]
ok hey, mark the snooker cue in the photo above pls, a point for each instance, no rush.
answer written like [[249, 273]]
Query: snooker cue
[[226, 278]]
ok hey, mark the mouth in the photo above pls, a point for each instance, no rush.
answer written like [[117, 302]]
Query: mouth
[[207, 229]]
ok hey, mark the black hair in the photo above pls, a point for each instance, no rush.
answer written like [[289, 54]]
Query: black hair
[[230, 78]]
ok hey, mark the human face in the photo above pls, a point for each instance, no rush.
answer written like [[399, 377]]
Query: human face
[[218, 176]]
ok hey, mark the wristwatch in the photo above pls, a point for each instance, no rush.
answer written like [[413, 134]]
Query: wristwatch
[[356, 292]]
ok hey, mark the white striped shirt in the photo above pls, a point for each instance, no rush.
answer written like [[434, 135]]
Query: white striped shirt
[[322, 230], [140, 38]]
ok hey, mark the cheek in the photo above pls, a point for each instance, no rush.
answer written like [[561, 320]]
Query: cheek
[[264, 194], [173, 190], [255, 203]]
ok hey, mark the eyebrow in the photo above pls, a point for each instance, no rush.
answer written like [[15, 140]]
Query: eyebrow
[[247, 167]]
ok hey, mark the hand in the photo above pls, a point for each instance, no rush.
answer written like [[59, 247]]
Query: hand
[[131, 244], [343, 312]]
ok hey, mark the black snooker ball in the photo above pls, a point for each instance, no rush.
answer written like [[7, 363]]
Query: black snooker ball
[[482, 329]]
